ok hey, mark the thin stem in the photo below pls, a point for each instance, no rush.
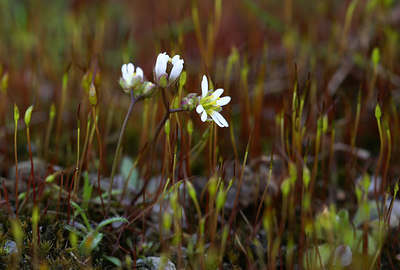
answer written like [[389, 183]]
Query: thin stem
[[16, 167], [77, 168], [159, 127], [59, 194], [168, 111], [100, 153], [32, 168], [316, 155], [162, 123], [236, 200], [378, 167], [389, 152], [118, 149], [69, 193], [48, 132], [85, 146]]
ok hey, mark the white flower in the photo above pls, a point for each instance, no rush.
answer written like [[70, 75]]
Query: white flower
[[210, 104], [130, 78], [161, 76]]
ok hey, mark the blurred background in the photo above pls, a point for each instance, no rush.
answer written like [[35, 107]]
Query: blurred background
[[256, 50]]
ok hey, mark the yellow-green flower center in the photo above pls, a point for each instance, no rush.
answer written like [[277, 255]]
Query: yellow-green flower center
[[209, 103]]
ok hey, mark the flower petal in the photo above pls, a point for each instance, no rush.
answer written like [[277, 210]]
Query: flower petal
[[130, 69], [223, 101], [219, 119], [161, 64], [217, 93], [203, 116], [176, 70], [204, 87], [176, 61], [139, 72], [199, 109], [124, 71]]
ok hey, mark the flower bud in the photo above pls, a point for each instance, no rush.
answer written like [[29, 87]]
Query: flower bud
[[149, 88], [145, 89], [189, 102]]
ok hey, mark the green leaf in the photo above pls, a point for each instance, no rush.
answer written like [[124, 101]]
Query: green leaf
[[104, 195], [74, 230], [109, 221], [90, 242], [113, 260], [83, 215]]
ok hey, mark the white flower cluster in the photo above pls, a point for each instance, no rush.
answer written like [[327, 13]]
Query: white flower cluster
[[166, 72]]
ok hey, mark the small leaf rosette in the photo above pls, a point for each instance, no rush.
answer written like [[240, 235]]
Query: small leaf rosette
[[167, 70], [210, 103]]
